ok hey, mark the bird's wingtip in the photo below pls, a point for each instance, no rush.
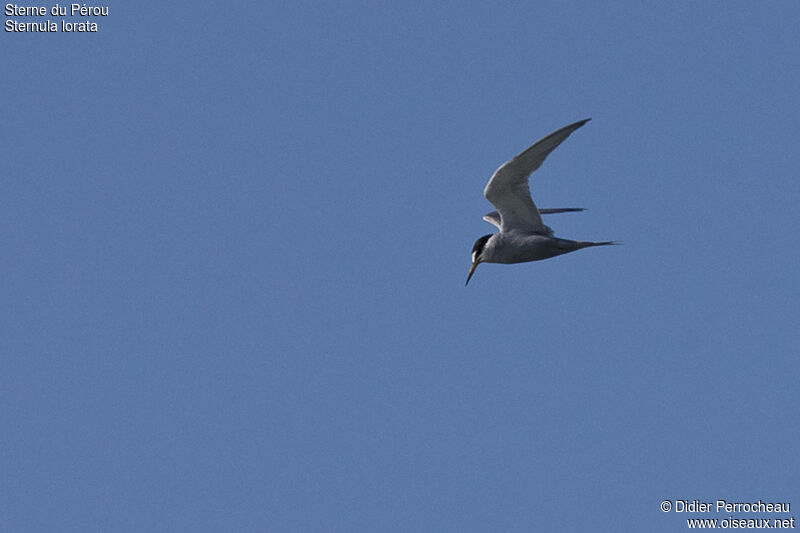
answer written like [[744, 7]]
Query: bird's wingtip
[[575, 125]]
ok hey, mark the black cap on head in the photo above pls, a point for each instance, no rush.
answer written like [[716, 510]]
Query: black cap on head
[[479, 244], [477, 249]]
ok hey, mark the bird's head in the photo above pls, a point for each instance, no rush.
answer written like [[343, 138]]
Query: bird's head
[[477, 255]]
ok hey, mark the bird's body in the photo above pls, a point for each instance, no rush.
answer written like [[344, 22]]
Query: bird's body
[[517, 247], [523, 236]]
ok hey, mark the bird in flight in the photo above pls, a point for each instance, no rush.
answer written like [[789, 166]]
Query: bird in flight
[[523, 236]]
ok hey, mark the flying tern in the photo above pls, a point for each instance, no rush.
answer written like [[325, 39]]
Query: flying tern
[[523, 236]]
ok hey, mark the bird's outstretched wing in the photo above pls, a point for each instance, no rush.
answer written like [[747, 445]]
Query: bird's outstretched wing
[[493, 218], [508, 188]]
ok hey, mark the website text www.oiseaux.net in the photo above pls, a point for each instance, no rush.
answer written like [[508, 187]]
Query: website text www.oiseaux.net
[[730, 508], [740, 523]]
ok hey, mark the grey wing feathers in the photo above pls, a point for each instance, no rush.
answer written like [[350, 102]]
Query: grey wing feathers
[[554, 210], [508, 188], [494, 217]]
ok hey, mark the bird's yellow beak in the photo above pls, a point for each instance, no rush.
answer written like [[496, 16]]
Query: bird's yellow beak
[[471, 271]]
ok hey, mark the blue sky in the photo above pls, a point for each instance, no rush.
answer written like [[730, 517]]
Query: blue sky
[[235, 239]]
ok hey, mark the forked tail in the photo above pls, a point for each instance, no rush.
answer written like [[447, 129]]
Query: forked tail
[[586, 244]]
